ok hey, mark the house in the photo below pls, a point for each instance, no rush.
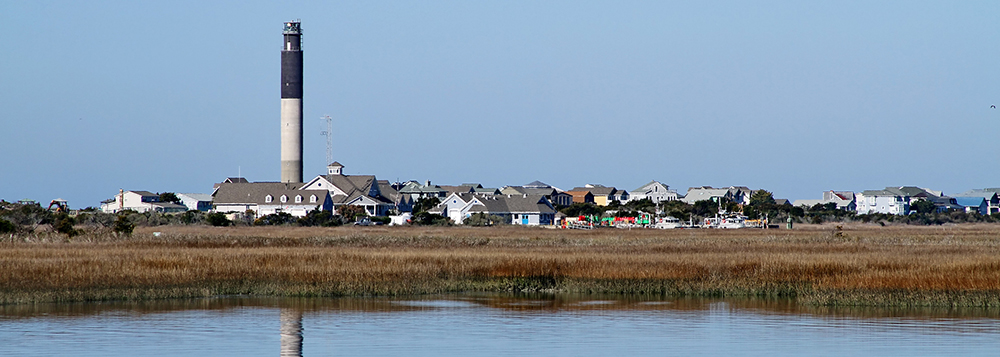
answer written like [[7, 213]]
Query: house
[[844, 200], [655, 191], [417, 191], [355, 190], [264, 198], [139, 201], [990, 195], [196, 201], [707, 193], [888, 201], [554, 195], [470, 188], [603, 195], [530, 210], [897, 200], [403, 202], [581, 196], [974, 204]]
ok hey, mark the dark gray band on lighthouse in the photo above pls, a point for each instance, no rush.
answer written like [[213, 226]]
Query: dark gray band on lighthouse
[[291, 74]]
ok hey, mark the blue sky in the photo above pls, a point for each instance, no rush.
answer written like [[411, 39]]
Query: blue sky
[[794, 97]]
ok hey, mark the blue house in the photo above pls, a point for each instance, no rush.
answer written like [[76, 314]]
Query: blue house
[[974, 204]]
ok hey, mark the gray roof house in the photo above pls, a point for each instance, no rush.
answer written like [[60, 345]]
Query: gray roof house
[[554, 195], [655, 191], [196, 201], [264, 198], [529, 210], [991, 197], [357, 190], [845, 200], [706, 193]]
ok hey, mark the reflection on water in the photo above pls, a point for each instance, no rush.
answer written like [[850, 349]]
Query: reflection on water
[[291, 332], [479, 324]]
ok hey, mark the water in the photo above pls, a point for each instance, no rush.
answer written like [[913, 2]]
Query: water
[[491, 324]]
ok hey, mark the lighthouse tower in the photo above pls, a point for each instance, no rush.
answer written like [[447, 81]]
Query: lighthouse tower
[[291, 103]]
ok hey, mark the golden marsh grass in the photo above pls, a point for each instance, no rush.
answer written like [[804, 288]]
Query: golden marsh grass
[[860, 265]]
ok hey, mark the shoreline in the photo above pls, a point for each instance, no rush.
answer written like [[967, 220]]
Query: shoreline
[[855, 266]]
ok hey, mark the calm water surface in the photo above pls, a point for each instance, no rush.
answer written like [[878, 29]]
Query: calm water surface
[[471, 324]]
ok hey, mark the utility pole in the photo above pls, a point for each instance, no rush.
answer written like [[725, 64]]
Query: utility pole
[[329, 138]]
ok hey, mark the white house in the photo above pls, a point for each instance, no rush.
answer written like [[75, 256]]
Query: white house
[[139, 201], [529, 210], [655, 191], [196, 201], [845, 200], [265, 198], [888, 201], [356, 190]]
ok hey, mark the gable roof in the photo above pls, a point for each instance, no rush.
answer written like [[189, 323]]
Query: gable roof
[[144, 193], [537, 184], [254, 193], [499, 204], [197, 196]]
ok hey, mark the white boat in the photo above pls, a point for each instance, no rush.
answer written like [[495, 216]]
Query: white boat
[[667, 223], [726, 220]]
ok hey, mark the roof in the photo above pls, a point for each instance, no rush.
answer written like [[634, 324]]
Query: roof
[[512, 204], [970, 201], [987, 193], [807, 203], [197, 196], [235, 180], [537, 184], [414, 187], [647, 187], [352, 185], [144, 193], [597, 190], [253, 193]]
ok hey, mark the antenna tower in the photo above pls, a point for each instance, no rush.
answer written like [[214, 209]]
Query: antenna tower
[[329, 138]]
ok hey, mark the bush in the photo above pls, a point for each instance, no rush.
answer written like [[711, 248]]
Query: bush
[[6, 226], [123, 225], [274, 219], [319, 218], [218, 219], [351, 213], [483, 219], [63, 223], [429, 219]]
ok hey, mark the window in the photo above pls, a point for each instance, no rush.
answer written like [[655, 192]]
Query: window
[[268, 199], [298, 198], [312, 199], [284, 198]]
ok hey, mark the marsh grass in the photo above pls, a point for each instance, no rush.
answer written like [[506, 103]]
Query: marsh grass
[[856, 266]]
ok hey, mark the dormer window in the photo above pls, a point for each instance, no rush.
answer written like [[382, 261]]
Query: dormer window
[[298, 198], [312, 199], [284, 198], [268, 199]]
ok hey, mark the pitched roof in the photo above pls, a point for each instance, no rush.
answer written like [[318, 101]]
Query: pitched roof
[[197, 196], [512, 204], [537, 184], [597, 190], [352, 185], [144, 193], [969, 201], [255, 192]]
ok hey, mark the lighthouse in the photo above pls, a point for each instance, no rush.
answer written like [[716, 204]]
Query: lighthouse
[[291, 103]]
